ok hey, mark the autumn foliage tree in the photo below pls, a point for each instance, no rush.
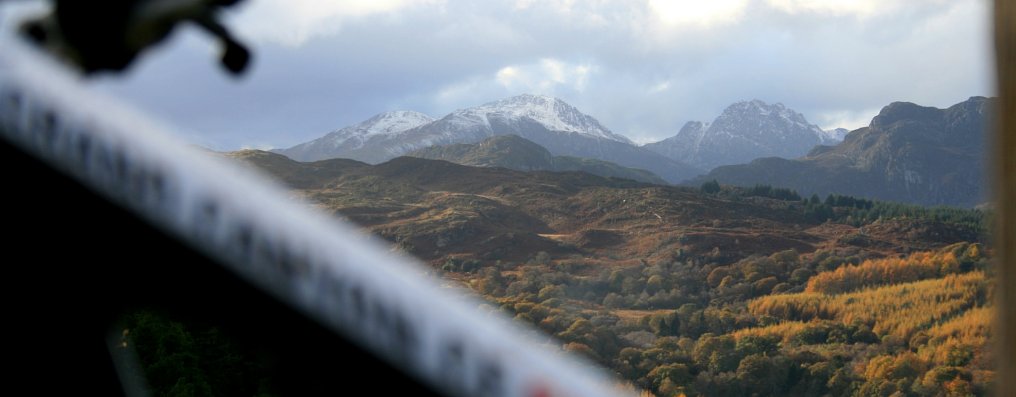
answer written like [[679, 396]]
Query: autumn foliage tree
[[919, 266]]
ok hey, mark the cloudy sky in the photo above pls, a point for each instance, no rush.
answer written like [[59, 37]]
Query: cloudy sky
[[642, 67]]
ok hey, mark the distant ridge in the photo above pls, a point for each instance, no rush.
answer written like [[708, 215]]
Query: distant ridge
[[549, 122], [745, 131], [908, 153], [517, 153]]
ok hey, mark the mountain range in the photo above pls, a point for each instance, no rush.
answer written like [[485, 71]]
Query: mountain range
[[439, 210], [550, 122], [908, 153], [517, 153], [745, 289], [745, 131]]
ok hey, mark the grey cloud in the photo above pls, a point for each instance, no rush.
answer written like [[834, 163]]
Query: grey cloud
[[820, 65]]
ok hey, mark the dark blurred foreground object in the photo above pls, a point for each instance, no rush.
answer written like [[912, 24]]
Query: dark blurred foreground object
[[109, 35], [1005, 195], [76, 283]]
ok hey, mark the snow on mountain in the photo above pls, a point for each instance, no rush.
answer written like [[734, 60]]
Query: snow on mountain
[[551, 113], [550, 122], [391, 123], [745, 131], [835, 135], [389, 135], [355, 136], [908, 153]]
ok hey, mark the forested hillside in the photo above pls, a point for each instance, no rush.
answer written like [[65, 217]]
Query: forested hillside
[[713, 291]]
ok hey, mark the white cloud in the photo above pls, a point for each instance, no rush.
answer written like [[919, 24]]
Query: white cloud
[[602, 13], [856, 8], [545, 76], [696, 12], [836, 7], [659, 87], [293, 22], [453, 94], [641, 67], [524, 4], [507, 75], [849, 119]]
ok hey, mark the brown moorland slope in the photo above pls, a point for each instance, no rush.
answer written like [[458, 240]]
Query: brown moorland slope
[[438, 210]]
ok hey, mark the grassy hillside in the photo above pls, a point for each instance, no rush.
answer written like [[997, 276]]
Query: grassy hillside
[[715, 291]]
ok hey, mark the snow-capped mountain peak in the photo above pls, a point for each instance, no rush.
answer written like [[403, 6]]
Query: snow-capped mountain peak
[[744, 131], [776, 112], [549, 112], [355, 136], [394, 122], [549, 122], [383, 124]]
